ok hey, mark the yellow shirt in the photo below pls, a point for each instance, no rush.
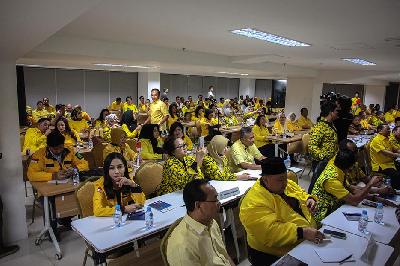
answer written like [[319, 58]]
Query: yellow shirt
[[115, 107], [278, 128], [185, 110], [34, 140], [292, 126], [158, 110], [102, 206], [364, 124], [389, 118], [43, 165], [69, 140], [323, 141], [334, 186], [271, 224], [85, 116], [171, 120], [304, 121], [37, 114], [147, 152], [78, 126], [142, 107], [378, 160], [204, 123], [260, 135], [131, 107], [231, 121], [188, 142], [394, 142], [242, 154], [192, 243]]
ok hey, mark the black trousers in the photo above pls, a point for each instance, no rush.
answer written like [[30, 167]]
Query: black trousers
[[394, 176], [258, 258]]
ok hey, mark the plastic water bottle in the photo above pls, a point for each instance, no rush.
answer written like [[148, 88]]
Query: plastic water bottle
[[379, 214], [75, 177], [149, 218], [90, 144], [117, 216], [388, 182], [363, 222], [287, 162]]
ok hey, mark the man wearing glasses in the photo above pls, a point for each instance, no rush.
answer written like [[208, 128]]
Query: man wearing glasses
[[197, 239]]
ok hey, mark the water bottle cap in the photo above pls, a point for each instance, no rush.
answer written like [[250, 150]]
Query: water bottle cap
[[364, 212], [380, 205], [117, 207], [148, 208]]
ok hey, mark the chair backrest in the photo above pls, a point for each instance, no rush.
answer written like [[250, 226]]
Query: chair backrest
[[295, 147], [132, 144], [149, 177], [84, 196], [164, 241], [305, 139], [22, 140], [367, 159], [292, 176], [142, 118], [98, 154]]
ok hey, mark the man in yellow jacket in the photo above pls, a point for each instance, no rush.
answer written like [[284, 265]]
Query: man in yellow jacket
[[276, 214], [35, 137]]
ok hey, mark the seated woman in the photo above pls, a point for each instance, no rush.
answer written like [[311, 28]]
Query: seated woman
[[261, 134], [291, 123], [198, 113], [111, 122], [129, 124], [71, 136], [215, 163], [77, 123], [355, 126], [151, 142], [179, 168], [176, 131], [230, 119], [207, 122], [173, 114], [101, 120], [118, 144], [279, 125], [333, 190], [116, 188]]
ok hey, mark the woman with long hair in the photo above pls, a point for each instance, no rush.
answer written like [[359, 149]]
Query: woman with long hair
[[70, 135], [261, 133], [77, 123], [129, 124], [176, 131], [173, 114], [100, 121], [151, 142], [116, 187]]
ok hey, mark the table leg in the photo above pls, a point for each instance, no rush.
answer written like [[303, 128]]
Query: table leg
[[48, 228], [276, 150], [230, 217], [99, 259]]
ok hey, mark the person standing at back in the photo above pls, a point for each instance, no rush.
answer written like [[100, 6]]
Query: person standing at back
[[158, 113]]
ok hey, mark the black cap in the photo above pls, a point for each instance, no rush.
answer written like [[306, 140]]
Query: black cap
[[273, 166]]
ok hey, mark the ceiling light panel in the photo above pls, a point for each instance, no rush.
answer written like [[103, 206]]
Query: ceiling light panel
[[359, 61], [269, 37]]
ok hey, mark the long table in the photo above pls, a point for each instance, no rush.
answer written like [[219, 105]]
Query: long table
[[103, 237]]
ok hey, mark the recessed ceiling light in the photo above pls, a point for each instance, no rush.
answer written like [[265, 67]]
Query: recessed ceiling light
[[119, 65], [233, 73], [359, 61], [269, 37]]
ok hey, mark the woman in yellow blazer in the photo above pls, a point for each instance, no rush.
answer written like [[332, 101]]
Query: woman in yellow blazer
[[280, 124], [176, 131], [118, 144], [149, 139], [101, 120], [129, 125], [261, 133], [116, 187], [71, 136], [77, 123], [292, 124]]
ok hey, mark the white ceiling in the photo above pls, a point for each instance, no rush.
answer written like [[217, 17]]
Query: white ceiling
[[367, 29]]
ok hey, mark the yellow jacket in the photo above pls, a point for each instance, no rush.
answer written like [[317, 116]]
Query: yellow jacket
[[78, 126], [102, 206], [278, 128], [304, 121], [260, 135], [36, 114], [115, 107], [130, 134], [271, 224], [147, 152], [292, 126], [43, 165], [172, 120], [69, 140], [131, 107], [34, 140], [389, 118], [188, 142], [127, 152]]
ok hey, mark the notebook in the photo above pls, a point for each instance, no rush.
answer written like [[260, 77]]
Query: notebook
[[161, 206]]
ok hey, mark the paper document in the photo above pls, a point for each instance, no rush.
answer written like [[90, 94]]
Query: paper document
[[332, 254], [63, 181]]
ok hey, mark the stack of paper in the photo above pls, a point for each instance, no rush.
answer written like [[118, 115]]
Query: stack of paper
[[329, 255]]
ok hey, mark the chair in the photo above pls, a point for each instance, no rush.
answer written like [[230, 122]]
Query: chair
[[142, 117], [22, 140], [98, 154], [84, 196], [306, 155], [164, 241], [132, 143], [149, 177]]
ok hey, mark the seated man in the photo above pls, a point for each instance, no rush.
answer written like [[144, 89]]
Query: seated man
[[394, 139], [116, 105], [383, 156], [197, 239], [39, 112], [332, 189], [35, 137], [303, 120], [244, 151], [55, 162], [276, 214]]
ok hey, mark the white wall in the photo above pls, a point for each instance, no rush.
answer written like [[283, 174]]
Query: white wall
[[299, 93], [11, 183], [375, 94], [247, 87], [146, 82]]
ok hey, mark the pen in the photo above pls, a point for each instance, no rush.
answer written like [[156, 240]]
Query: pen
[[344, 260]]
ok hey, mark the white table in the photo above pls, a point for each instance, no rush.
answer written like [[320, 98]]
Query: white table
[[381, 233], [100, 234], [360, 140], [257, 173], [353, 243]]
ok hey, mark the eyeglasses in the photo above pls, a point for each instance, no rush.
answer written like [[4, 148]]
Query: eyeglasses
[[181, 146]]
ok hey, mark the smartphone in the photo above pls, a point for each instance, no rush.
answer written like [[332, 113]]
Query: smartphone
[[201, 142], [335, 233]]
